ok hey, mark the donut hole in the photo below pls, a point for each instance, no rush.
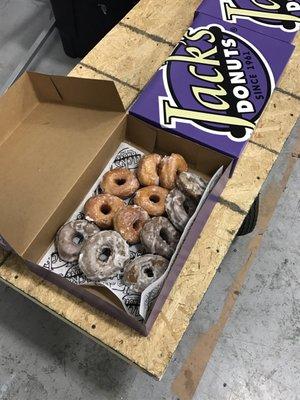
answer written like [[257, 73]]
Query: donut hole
[[164, 235], [120, 181], [104, 254], [154, 198], [188, 207], [149, 272], [137, 225], [105, 209], [78, 238]]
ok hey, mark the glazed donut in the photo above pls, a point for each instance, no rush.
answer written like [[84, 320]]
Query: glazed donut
[[152, 199], [101, 209], [142, 271], [169, 168], [179, 208], [191, 185], [129, 222], [120, 182], [159, 236], [71, 237], [147, 170], [103, 255]]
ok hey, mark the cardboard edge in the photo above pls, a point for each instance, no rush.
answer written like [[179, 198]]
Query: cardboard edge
[[78, 91]]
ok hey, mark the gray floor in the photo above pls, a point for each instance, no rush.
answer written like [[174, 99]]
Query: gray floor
[[254, 296]]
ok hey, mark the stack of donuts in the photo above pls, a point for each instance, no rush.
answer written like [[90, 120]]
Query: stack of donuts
[[164, 196]]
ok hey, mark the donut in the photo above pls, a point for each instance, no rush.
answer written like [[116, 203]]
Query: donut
[[159, 236], [120, 182], [103, 255], [129, 222], [71, 237], [179, 208], [169, 168], [147, 170], [101, 209], [142, 271], [191, 185], [152, 199]]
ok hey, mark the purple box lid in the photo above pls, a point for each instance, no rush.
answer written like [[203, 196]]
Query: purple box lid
[[215, 85], [279, 19]]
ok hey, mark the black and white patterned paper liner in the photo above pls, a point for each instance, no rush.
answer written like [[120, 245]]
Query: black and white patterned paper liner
[[134, 304]]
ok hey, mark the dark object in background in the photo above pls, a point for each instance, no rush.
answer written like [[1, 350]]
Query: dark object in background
[[82, 23], [250, 221]]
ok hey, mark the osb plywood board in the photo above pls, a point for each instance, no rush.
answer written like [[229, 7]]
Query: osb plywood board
[[129, 55], [130, 62], [153, 25], [154, 352], [136, 48], [290, 81]]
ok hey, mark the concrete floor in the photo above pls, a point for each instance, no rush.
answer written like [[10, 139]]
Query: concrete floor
[[243, 342]]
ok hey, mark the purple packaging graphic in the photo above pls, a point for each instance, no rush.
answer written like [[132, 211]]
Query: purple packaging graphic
[[215, 85], [279, 19]]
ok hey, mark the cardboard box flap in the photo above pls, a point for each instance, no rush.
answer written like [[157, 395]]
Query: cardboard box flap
[[51, 131], [77, 91]]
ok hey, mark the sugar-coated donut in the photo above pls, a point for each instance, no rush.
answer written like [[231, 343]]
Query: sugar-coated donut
[[159, 236], [179, 208], [148, 170], [71, 237], [101, 209], [120, 182], [142, 271], [191, 184], [129, 222], [170, 167], [103, 256], [152, 199]]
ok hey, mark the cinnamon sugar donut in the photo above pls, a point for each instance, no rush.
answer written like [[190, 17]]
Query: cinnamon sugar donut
[[120, 182], [169, 168], [148, 170], [152, 199], [143, 271], [101, 209], [71, 237], [129, 222]]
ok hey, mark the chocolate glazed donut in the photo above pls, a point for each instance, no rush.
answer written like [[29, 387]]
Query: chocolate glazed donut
[[159, 236], [179, 208], [143, 271], [71, 237], [103, 255], [191, 184]]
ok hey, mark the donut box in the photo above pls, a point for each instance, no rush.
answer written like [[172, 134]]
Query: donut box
[[215, 85], [58, 137], [277, 19]]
